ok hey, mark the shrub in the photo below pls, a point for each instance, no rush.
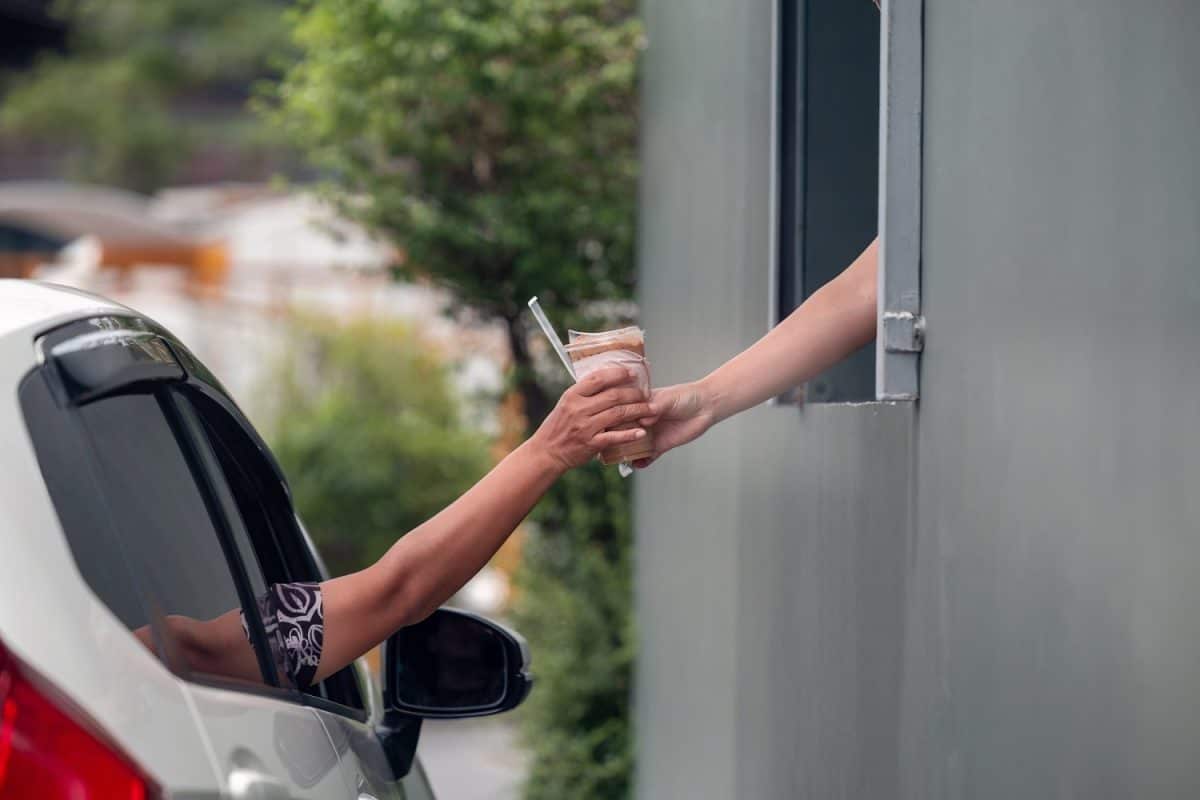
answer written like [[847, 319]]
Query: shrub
[[575, 605], [366, 425]]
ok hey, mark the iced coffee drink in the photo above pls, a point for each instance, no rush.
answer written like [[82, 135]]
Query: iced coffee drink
[[625, 347]]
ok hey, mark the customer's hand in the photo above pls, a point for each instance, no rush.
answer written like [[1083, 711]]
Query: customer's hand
[[578, 427], [679, 414]]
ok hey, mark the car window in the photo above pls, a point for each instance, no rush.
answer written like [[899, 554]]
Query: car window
[[77, 499], [178, 520], [266, 515], [211, 469], [157, 507], [166, 528], [144, 531]]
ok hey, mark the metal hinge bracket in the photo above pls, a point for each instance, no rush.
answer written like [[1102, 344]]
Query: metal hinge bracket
[[903, 332]]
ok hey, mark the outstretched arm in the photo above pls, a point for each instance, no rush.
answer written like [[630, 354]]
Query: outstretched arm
[[426, 567], [433, 561], [834, 322]]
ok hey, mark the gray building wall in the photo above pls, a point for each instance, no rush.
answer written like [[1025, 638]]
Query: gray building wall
[[991, 594]]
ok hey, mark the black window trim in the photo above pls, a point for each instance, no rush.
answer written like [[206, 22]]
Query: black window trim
[[298, 545], [200, 467], [205, 481], [333, 706], [788, 291]]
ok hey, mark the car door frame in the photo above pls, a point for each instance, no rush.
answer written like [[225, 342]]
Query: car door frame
[[170, 371], [148, 361]]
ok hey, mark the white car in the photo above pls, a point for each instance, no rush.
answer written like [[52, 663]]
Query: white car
[[131, 488]]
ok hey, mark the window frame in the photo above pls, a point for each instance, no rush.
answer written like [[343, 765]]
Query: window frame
[[813, 239], [170, 369], [900, 324], [787, 168], [217, 511], [292, 551], [67, 421], [900, 331]]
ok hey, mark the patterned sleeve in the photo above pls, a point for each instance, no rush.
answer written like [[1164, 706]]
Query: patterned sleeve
[[294, 621]]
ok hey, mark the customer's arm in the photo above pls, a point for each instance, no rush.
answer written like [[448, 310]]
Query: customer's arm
[[427, 566], [834, 322], [351, 614]]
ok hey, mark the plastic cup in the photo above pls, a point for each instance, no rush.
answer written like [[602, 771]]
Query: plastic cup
[[625, 347]]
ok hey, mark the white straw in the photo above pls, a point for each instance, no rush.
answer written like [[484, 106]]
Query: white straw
[[551, 334]]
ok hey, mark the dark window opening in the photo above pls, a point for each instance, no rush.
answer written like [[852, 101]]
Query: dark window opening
[[828, 163]]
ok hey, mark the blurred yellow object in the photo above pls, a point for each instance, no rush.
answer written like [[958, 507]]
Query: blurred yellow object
[[210, 265]]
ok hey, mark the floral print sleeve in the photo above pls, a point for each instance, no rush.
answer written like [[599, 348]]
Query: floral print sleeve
[[294, 621]]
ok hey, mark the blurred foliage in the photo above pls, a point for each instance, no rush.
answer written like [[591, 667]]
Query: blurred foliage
[[366, 425], [117, 98], [493, 140], [575, 606]]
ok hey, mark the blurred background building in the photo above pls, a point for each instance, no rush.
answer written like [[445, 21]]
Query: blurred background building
[[224, 265]]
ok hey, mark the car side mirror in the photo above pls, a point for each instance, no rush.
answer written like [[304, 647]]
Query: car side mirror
[[450, 665], [455, 664]]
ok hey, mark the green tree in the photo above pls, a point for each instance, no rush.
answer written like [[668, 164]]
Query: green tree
[[494, 140], [136, 89], [575, 606], [367, 426]]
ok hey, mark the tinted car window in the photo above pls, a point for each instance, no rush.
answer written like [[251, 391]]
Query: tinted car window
[[212, 470], [169, 503], [143, 529], [267, 517], [77, 500], [156, 507]]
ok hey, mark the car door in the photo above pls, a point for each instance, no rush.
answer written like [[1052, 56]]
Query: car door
[[346, 702], [191, 563]]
